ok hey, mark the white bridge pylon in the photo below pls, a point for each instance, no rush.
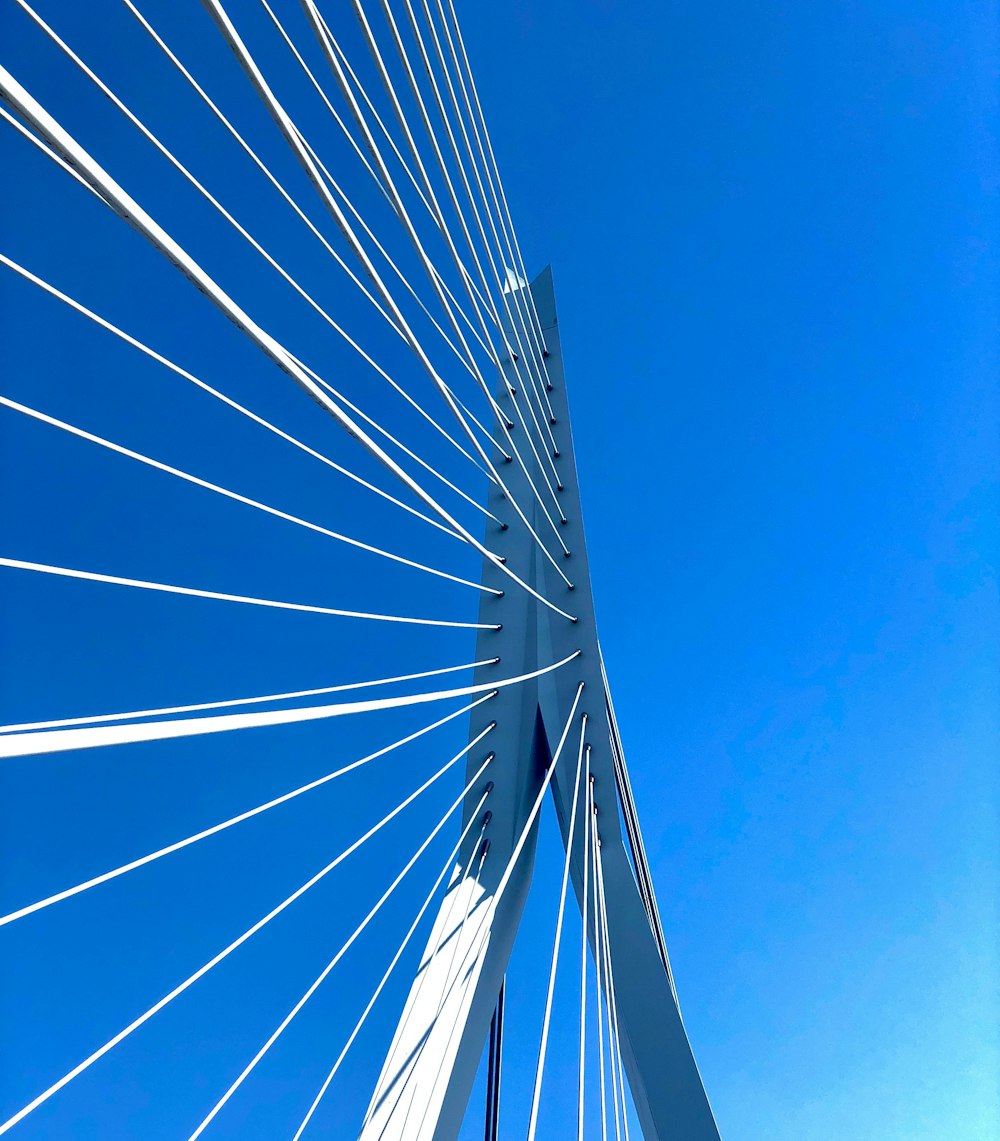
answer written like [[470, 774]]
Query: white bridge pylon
[[424, 1086]]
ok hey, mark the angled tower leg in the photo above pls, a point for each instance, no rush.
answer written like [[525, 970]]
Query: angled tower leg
[[424, 1086]]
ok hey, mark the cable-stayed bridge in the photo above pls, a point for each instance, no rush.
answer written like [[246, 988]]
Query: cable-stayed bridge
[[297, 678]]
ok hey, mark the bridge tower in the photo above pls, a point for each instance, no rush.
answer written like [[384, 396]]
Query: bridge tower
[[543, 729]]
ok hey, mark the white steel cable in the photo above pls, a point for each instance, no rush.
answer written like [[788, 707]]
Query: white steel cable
[[438, 222], [460, 166], [205, 833], [408, 452], [193, 592], [489, 144], [294, 138], [478, 942], [15, 94], [421, 976], [110, 95], [439, 102], [318, 88], [247, 236], [357, 411], [50, 289], [288, 128], [460, 877], [46, 150], [616, 1056], [345, 947], [321, 166], [422, 109], [92, 737], [634, 833], [171, 55], [536, 1094], [278, 352], [475, 951], [536, 804], [607, 1003], [448, 866], [597, 964], [467, 362], [174, 59], [491, 474], [511, 865], [401, 49], [515, 260], [387, 435], [448, 981], [445, 934], [415, 89], [489, 147], [46, 286], [113, 205], [349, 72], [226, 493], [478, 300], [337, 58], [534, 349], [373, 111], [584, 911], [50, 154], [341, 68], [266, 171], [134, 1025], [360, 153], [136, 714], [449, 985]]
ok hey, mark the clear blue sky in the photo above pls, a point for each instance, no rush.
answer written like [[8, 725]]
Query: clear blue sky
[[773, 231]]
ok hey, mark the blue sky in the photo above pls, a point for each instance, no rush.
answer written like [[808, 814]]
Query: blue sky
[[772, 228]]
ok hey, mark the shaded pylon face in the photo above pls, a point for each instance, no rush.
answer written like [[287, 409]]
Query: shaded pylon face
[[545, 729]]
